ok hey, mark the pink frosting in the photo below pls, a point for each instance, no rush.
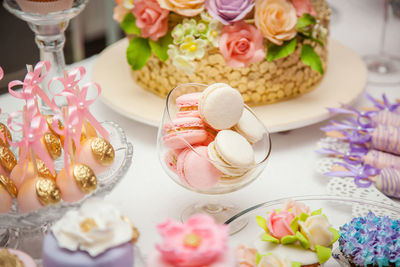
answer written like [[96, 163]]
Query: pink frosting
[[241, 44], [246, 256], [279, 223], [296, 207], [303, 6], [209, 249], [151, 18]]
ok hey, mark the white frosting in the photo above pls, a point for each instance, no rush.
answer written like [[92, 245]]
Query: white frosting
[[274, 260], [106, 228], [293, 253], [316, 229]]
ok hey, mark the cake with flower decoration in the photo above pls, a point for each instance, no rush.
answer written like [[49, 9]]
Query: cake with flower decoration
[[371, 241], [96, 235], [198, 242], [293, 236], [269, 50]]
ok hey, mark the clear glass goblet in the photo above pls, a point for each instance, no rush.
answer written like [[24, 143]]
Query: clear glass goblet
[[48, 20], [226, 184]]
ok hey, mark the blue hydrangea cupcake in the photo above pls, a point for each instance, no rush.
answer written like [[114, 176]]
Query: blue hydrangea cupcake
[[371, 241]]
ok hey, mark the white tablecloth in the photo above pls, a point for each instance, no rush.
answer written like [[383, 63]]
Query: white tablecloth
[[147, 195]]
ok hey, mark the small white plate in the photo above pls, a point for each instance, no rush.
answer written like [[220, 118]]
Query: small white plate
[[344, 81]]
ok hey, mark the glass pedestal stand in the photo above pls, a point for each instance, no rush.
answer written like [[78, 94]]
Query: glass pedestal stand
[[49, 35]]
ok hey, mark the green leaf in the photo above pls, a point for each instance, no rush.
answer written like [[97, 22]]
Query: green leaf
[[289, 239], [284, 50], [316, 212], [128, 24], [259, 257], [305, 21], [304, 216], [138, 53], [310, 58], [335, 233], [269, 238], [303, 241], [294, 225], [262, 222], [323, 253], [296, 264], [160, 48]]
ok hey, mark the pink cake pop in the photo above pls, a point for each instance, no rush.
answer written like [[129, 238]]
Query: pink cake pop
[[21, 173], [8, 192]]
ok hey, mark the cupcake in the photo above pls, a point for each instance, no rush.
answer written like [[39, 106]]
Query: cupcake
[[15, 258], [295, 235], [197, 243], [93, 236], [371, 241]]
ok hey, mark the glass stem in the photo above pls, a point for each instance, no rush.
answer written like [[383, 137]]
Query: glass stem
[[385, 7]]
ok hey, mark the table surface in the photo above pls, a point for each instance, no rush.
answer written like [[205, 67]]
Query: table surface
[[147, 195]]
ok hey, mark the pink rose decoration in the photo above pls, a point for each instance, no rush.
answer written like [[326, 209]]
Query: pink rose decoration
[[303, 6], [151, 18], [296, 207], [198, 242], [279, 223], [241, 44], [246, 257]]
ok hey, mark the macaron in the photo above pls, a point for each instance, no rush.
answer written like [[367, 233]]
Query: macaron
[[195, 169], [250, 127], [170, 160], [221, 106], [232, 153], [184, 131], [188, 105]]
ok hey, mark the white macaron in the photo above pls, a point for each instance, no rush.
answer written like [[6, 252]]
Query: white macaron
[[233, 154], [221, 106], [250, 127]]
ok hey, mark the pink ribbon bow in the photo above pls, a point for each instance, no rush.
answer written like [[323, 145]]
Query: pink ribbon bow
[[33, 130]]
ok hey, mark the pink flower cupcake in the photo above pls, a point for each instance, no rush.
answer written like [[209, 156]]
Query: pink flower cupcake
[[197, 243]]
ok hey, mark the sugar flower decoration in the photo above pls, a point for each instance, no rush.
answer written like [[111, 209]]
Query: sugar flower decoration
[[241, 44], [303, 6], [180, 60], [274, 260], [198, 242], [276, 19], [229, 11], [151, 19], [279, 224], [246, 257], [193, 48], [187, 8], [122, 8]]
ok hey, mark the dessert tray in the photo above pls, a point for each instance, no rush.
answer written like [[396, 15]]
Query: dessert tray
[[339, 210], [124, 96]]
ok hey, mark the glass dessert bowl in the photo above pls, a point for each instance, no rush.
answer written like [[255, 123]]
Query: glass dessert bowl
[[205, 160]]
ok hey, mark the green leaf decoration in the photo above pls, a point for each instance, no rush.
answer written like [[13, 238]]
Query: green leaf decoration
[[128, 24], [316, 212], [284, 50], [138, 53], [259, 257], [262, 222], [310, 58], [269, 238], [289, 239], [335, 233], [304, 216], [294, 225], [303, 241], [305, 21], [323, 253], [296, 264], [160, 48]]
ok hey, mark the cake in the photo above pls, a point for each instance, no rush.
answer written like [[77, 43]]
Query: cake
[[268, 58], [96, 235], [371, 241], [198, 242], [293, 236], [15, 258]]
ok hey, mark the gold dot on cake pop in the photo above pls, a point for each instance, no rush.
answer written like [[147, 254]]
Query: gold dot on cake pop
[[53, 145], [6, 134], [9, 260], [85, 178], [88, 225], [102, 151], [8, 184], [43, 171], [7, 158], [47, 191]]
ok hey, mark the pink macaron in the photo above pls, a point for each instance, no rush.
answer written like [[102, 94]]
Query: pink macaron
[[170, 159], [184, 131], [195, 170], [188, 105]]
